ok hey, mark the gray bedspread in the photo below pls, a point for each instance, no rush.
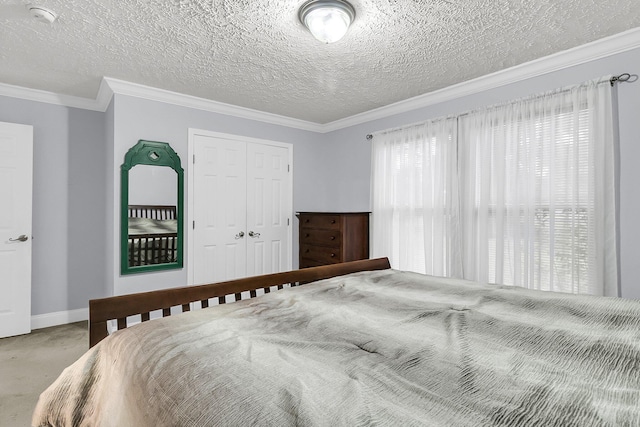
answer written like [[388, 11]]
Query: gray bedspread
[[381, 348], [138, 226]]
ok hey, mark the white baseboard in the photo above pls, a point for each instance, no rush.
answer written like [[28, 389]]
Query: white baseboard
[[40, 321]]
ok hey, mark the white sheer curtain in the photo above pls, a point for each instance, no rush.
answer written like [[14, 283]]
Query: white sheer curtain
[[538, 192], [414, 197], [520, 194]]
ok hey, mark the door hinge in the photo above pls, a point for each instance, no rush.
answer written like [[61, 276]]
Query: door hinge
[[288, 168], [194, 225], [194, 159], [287, 221]]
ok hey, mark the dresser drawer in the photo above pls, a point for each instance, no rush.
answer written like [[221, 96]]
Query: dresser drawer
[[320, 253], [327, 222], [306, 263], [316, 236], [332, 237]]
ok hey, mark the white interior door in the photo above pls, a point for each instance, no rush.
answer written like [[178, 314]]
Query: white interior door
[[219, 215], [268, 208], [16, 181]]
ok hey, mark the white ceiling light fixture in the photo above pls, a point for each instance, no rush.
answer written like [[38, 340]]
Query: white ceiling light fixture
[[42, 13], [328, 20]]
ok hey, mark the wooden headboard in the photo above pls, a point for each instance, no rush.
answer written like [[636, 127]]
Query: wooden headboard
[[161, 212], [120, 307]]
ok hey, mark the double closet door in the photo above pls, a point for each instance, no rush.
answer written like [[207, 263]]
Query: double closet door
[[241, 208]]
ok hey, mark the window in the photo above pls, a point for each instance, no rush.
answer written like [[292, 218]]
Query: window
[[525, 195], [530, 198], [415, 197]]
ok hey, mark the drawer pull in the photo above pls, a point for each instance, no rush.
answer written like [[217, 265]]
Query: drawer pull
[[333, 237], [333, 221], [307, 251], [333, 255], [306, 220], [306, 235]]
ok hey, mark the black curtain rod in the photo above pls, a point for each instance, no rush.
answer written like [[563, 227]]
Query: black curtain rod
[[613, 80]]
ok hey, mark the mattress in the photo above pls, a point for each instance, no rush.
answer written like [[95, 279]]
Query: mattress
[[371, 348]]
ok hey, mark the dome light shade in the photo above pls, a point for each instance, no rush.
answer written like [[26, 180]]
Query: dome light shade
[[328, 20]]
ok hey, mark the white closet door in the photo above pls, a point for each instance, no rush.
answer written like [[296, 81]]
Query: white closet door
[[268, 208], [219, 182]]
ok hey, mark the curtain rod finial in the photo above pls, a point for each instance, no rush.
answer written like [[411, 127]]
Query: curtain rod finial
[[624, 77]]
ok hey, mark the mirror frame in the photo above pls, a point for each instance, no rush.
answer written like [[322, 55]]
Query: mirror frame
[[155, 154]]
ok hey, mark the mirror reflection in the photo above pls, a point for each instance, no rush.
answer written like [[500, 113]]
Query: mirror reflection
[[152, 215]]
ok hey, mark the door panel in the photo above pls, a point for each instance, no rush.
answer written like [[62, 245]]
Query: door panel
[[268, 187], [16, 180], [220, 214]]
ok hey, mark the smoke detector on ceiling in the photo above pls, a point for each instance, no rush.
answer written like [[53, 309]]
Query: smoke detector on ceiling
[[42, 13]]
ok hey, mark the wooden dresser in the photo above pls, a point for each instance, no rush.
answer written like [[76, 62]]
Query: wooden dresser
[[333, 237]]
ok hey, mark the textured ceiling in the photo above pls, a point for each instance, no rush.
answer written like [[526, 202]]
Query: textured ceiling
[[256, 54]]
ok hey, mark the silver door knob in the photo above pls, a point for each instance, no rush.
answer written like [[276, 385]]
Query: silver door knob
[[252, 234], [20, 238], [240, 235]]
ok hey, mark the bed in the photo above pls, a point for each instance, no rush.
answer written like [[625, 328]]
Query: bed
[[361, 344], [152, 235]]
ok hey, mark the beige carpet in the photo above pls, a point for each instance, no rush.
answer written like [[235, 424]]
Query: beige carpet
[[30, 363]]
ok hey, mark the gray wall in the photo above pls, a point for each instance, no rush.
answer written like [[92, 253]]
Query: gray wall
[[137, 118], [77, 155], [68, 203], [350, 152]]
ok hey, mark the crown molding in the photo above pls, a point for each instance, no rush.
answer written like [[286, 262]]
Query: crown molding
[[595, 50], [598, 49], [122, 87], [50, 97], [105, 94]]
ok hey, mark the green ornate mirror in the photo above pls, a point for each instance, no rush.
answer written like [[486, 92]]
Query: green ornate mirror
[[151, 209]]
